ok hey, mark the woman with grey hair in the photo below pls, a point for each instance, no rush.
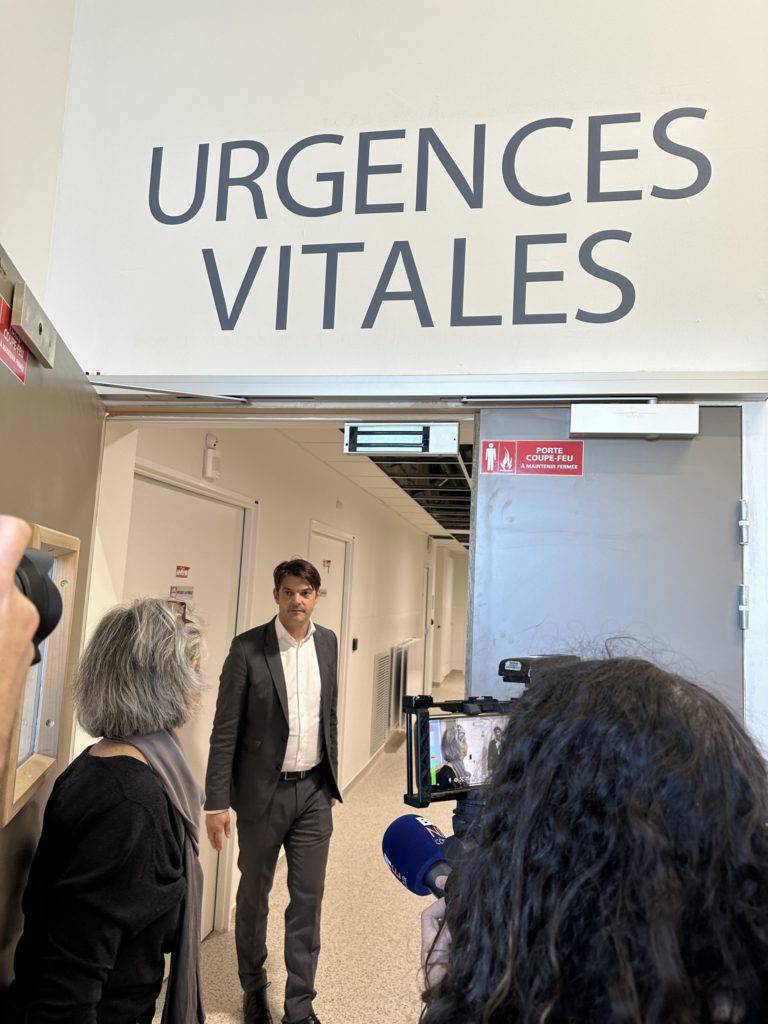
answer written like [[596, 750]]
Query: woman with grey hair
[[116, 883], [454, 748]]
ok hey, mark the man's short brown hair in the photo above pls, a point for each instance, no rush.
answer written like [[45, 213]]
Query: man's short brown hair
[[297, 567]]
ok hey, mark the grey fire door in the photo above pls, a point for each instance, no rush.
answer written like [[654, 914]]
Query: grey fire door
[[638, 556]]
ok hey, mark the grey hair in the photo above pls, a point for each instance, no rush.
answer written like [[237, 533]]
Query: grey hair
[[451, 741], [138, 673]]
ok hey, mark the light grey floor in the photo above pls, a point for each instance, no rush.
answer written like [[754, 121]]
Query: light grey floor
[[369, 963]]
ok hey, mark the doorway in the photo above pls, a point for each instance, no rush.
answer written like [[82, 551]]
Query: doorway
[[331, 551], [427, 597], [194, 543]]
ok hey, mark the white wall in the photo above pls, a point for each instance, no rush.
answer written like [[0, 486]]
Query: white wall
[[292, 488], [459, 610], [33, 83], [110, 543]]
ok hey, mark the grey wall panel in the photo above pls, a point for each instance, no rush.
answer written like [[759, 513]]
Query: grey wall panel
[[50, 443], [639, 556]]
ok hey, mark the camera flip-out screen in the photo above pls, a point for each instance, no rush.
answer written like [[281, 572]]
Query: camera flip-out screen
[[463, 750], [452, 747]]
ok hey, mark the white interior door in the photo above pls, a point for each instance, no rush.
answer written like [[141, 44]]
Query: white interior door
[[445, 621], [328, 554], [172, 528], [332, 556], [426, 600]]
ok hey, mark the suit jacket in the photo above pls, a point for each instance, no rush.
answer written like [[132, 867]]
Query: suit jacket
[[494, 755], [250, 729]]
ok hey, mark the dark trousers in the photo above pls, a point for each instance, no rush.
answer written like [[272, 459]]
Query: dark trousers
[[300, 819]]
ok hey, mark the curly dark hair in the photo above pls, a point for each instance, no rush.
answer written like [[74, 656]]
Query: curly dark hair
[[620, 873]]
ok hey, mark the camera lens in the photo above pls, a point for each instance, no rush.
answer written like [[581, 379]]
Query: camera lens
[[33, 580]]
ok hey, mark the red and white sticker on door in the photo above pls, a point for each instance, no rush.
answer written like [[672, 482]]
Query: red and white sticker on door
[[13, 352], [182, 572], [498, 456], [533, 458]]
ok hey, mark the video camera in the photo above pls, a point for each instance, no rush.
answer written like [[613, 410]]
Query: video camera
[[33, 579], [452, 748]]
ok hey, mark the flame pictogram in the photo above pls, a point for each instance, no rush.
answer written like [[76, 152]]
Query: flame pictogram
[[506, 462]]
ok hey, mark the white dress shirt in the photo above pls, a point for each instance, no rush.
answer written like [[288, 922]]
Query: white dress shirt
[[302, 684]]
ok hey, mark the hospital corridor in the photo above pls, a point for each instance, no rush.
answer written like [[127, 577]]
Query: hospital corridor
[[383, 498], [370, 932]]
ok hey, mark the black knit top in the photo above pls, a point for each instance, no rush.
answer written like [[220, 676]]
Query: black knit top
[[102, 899]]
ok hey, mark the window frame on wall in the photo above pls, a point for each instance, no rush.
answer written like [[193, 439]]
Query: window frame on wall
[[19, 782]]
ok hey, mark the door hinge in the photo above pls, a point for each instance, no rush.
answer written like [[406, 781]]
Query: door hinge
[[743, 522], [743, 593]]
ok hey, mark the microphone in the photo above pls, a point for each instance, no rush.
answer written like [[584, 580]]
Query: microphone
[[414, 850]]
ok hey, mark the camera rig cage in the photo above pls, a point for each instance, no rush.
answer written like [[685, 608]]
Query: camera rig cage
[[419, 708]]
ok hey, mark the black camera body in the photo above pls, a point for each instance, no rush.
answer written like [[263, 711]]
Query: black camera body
[[33, 579]]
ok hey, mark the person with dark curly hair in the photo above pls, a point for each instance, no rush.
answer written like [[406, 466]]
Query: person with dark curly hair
[[619, 872]]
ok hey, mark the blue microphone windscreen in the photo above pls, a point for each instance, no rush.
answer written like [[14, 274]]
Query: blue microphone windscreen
[[411, 845]]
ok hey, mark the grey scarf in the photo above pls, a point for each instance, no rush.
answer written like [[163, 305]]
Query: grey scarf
[[183, 999], [461, 773]]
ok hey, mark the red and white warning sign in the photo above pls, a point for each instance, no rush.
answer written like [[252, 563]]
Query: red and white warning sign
[[13, 352], [551, 458], [498, 457], [534, 458], [182, 572]]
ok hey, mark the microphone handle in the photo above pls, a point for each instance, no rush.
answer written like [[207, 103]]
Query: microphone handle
[[434, 872]]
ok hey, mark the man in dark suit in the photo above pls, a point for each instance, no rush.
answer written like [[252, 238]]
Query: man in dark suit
[[494, 750], [274, 759]]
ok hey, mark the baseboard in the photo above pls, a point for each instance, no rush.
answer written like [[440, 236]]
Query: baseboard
[[361, 774]]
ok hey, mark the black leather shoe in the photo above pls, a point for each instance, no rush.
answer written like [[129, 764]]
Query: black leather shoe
[[256, 1008]]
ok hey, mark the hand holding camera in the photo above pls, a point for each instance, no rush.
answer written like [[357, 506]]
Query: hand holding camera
[[30, 609], [19, 621]]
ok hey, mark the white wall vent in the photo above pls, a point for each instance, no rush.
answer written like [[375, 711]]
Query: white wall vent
[[382, 676]]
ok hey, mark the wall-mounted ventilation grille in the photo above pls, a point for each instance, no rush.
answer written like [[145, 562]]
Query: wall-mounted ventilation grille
[[382, 676]]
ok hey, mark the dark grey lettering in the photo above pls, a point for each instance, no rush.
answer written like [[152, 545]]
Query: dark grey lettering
[[283, 285], [226, 181], [415, 295], [228, 319], [154, 187], [365, 169], [335, 177], [509, 171], [625, 286], [700, 162], [458, 318], [331, 250], [472, 194], [523, 276], [597, 156]]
